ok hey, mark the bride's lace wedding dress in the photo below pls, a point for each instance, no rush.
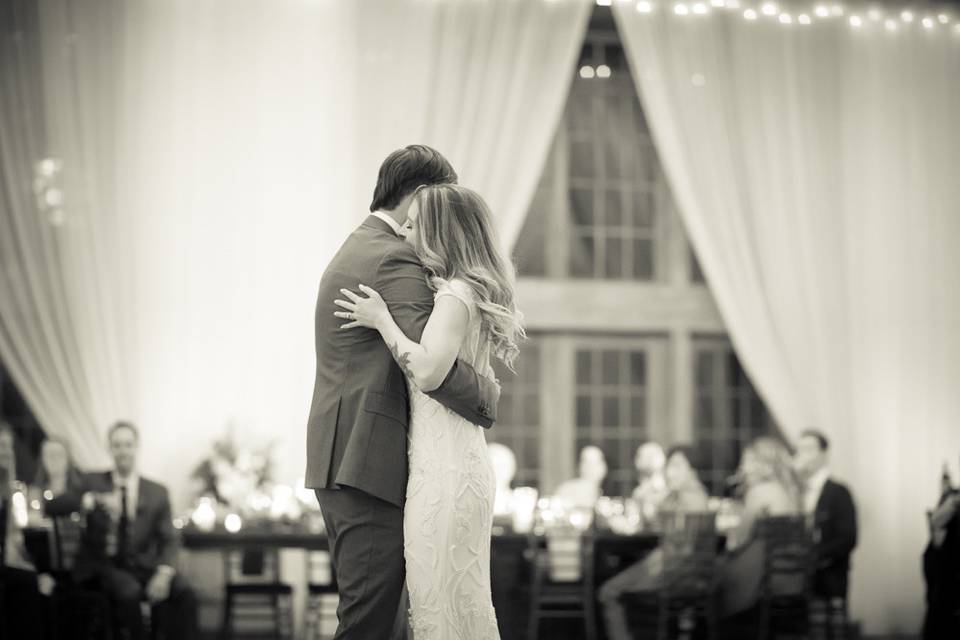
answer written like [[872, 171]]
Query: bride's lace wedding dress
[[449, 507]]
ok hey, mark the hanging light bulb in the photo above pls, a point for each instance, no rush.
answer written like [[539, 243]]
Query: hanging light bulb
[[644, 7], [803, 19], [943, 18], [927, 22], [856, 22], [821, 11], [700, 9], [719, 4], [681, 9], [906, 16], [785, 18], [769, 9], [587, 72], [603, 71], [750, 14]]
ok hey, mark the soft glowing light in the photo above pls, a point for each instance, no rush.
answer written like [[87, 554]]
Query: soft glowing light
[[644, 7], [232, 523], [178, 523], [803, 18], [35, 505], [927, 22], [769, 9], [603, 71], [18, 504], [604, 3], [720, 4], [48, 495], [875, 14], [943, 18], [680, 9], [821, 11], [204, 516], [524, 504], [700, 9], [856, 22], [733, 4], [587, 72], [906, 16], [750, 14], [890, 24], [785, 18]]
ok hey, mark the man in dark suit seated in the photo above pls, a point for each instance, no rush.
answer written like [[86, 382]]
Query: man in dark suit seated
[[130, 546], [829, 508]]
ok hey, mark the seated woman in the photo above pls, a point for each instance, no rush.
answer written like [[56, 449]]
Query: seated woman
[[771, 489], [60, 485], [685, 494]]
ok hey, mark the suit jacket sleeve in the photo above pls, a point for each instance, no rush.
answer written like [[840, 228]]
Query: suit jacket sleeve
[[169, 542], [844, 513], [401, 283]]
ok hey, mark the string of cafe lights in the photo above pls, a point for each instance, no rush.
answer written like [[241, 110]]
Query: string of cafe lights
[[856, 18]]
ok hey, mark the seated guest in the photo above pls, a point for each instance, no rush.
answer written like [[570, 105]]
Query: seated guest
[[504, 465], [583, 491], [771, 489], [24, 605], [134, 557], [652, 487], [685, 494], [829, 508], [941, 569], [60, 485]]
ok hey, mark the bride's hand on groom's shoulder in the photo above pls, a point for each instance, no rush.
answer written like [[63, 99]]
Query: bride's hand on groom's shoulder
[[369, 312]]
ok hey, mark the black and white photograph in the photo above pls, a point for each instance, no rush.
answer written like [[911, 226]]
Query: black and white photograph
[[479, 320]]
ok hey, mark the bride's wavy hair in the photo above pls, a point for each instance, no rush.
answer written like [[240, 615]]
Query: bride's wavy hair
[[455, 238]]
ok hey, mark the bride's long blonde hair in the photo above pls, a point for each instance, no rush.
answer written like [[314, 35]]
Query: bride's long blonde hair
[[455, 238]]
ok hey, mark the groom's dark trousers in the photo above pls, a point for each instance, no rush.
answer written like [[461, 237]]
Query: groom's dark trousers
[[357, 431]]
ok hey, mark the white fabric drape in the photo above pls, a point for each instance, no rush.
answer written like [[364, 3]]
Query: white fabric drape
[[815, 170], [483, 82], [215, 155]]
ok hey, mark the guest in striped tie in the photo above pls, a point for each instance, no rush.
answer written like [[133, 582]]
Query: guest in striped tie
[[130, 547]]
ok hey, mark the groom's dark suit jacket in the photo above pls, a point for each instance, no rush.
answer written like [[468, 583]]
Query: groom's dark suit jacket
[[357, 431], [835, 536]]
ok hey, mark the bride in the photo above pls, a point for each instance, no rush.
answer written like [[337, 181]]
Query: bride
[[449, 501]]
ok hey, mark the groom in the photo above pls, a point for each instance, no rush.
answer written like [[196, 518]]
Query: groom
[[357, 432]]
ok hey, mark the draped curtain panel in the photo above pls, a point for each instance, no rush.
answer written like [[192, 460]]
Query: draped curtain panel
[[214, 155], [814, 167], [45, 339]]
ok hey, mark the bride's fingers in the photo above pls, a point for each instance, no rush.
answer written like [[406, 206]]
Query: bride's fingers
[[343, 314], [346, 305], [350, 294], [367, 290], [350, 325]]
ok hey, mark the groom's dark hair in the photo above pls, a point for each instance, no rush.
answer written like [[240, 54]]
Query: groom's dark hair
[[406, 169]]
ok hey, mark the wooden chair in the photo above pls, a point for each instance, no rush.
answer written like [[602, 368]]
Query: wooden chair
[[254, 593], [686, 599], [321, 587], [561, 579], [784, 605]]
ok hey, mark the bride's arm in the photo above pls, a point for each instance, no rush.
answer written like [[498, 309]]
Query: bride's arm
[[426, 362]]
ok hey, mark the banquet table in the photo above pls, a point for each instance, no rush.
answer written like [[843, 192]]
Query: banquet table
[[510, 567]]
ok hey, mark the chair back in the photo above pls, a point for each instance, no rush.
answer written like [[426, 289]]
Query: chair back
[[689, 553], [251, 566], [788, 556]]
